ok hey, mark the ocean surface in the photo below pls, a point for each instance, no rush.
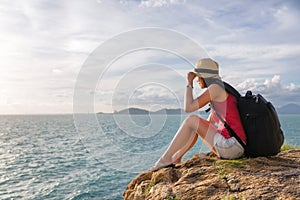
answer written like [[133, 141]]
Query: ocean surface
[[88, 156]]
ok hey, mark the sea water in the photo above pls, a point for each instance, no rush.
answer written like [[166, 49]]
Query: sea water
[[87, 156]]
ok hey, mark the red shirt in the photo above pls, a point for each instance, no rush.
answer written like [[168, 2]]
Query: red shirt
[[229, 112]]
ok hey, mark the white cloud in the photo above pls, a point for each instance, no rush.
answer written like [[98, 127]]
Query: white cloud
[[249, 84], [145, 85], [293, 87], [274, 82], [286, 17], [246, 61], [273, 89]]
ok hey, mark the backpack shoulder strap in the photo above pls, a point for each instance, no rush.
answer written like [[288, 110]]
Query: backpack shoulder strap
[[228, 88], [236, 94], [231, 90], [229, 129]]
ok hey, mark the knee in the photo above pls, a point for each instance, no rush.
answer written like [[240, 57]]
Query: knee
[[191, 119]]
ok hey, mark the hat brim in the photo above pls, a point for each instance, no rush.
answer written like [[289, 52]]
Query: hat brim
[[197, 74], [207, 75]]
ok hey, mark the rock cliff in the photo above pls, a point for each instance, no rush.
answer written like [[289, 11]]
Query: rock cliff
[[204, 177]]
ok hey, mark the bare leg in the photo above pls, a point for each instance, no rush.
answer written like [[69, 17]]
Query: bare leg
[[178, 160], [207, 132], [186, 137]]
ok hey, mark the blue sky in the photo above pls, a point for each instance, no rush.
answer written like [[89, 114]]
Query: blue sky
[[44, 45]]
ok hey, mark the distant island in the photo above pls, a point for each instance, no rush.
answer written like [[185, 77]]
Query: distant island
[[139, 111], [287, 109]]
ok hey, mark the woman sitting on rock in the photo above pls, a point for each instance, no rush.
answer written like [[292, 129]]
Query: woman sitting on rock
[[212, 131]]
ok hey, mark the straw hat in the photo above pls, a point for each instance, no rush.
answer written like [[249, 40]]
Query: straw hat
[[207, 68]]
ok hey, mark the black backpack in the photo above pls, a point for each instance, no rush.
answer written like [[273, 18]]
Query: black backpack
[[260, 122]]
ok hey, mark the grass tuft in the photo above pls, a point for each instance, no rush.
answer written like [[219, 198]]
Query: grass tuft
[[234, 163], [224, 167], [150, 186], [171, 198], [286, 147]]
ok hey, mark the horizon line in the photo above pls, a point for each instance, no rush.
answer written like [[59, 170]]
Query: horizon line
[[101, 112]]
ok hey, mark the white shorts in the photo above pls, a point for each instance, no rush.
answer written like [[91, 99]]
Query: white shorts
[[227, 148]]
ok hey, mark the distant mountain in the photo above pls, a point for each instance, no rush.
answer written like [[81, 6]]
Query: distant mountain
[[177, 111], [133, 111], [289, 109], [138, 111]]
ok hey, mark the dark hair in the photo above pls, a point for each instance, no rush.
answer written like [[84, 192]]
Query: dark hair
[[209, 81]]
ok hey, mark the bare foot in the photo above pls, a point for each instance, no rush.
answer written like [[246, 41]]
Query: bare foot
[[160, 164], [177, 161]]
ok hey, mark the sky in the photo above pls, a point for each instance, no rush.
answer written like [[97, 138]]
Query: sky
[[46, 46]]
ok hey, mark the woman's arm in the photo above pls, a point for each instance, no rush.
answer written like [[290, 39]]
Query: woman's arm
[[191, 104], [213, 92]]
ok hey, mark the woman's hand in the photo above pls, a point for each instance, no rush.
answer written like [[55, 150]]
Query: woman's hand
[[190, 78]]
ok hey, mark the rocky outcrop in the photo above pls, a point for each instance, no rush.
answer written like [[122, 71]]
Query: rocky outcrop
[[276, 177]]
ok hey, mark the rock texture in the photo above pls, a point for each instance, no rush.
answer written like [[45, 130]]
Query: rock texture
[[276, 177]]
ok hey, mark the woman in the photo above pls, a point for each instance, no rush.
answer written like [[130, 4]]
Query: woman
[[211, 131]]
